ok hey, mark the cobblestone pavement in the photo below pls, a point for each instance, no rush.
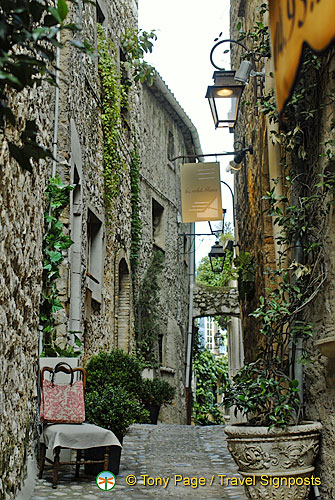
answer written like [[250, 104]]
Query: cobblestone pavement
[[160, 451]]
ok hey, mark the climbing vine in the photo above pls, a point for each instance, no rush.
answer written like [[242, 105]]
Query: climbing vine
[[116, 86], [258, 37], [54, 243], [148, 324], [264, 390], [113, 99]]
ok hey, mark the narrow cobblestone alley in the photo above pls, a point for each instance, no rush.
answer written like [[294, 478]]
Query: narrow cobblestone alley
[[164, 451]]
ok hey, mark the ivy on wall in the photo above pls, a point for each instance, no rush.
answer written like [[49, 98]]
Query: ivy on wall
[[148, 321], [136, 43], [54, 243], [114, 97]]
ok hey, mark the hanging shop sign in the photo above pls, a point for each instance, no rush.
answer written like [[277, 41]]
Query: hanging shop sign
[[294, 23], [200, 192]]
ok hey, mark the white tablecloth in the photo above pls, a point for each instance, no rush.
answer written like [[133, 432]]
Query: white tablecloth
[[77, 436]]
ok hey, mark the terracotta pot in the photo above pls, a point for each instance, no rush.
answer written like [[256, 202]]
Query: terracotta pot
[[275, 464]]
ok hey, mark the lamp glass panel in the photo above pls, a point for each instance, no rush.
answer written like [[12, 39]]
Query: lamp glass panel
[[226, 109], [213, 110], [217, 264]]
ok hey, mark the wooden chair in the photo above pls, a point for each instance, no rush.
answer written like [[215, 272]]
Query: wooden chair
[[69, 436]]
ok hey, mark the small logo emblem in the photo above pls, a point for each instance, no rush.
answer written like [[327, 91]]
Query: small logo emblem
[[105, 480]]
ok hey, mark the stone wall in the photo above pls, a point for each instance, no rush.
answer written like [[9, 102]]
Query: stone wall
[[22, 205], [108, 321], [102, 309], [81, 146], [319, 380], [252, 181], [255, 231], [212, 301], [163, 135]]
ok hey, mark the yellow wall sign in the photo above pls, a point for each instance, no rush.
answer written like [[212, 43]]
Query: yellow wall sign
[[200, 192], [293, 23]]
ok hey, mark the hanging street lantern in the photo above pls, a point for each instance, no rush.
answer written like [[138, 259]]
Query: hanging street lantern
[[217, 257], [224, 99]]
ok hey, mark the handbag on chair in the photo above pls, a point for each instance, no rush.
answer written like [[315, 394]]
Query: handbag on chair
[[62, 403]]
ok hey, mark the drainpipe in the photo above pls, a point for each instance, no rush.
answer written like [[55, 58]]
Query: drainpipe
[[275, 171], [55, 136], [190, 326]]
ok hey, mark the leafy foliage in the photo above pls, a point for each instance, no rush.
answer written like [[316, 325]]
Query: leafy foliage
[[209, 370], [114, 408], [112, 391], [29, 34], [148, 321], [156, 392], [113, 98], [137, 43], [258, 37], [115, 368], [245, 268], [54, 243], [206, 276], [264, 390], [264, 396]]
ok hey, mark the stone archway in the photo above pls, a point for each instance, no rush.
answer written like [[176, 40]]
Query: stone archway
[[222, 301]]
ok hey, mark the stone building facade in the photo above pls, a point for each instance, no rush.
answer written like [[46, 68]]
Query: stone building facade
[[98, 287], [257, 231], [21, 227]]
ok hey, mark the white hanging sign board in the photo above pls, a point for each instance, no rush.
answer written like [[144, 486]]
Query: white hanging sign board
[[200, 192]]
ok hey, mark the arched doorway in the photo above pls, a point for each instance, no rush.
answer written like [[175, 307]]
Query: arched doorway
[[123, 307]]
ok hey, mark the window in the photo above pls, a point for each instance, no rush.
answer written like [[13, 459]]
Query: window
[[100, 15], [170, 145], [101, 12], [158, 225], [75, 253], [94, 254], [209, 332], [160, 348]]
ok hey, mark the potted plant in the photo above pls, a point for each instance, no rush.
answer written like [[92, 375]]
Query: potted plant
[[275, 449], [115, 409], [115, 368], [111, 400], [154, 393]]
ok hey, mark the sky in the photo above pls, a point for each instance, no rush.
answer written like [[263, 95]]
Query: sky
[[186, 30]]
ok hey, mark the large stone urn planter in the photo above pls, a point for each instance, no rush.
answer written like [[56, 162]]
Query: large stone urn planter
[[275, 464]]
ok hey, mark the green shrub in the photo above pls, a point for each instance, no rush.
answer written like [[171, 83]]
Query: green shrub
[[114, 408], [156, 392], [115, 368]]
